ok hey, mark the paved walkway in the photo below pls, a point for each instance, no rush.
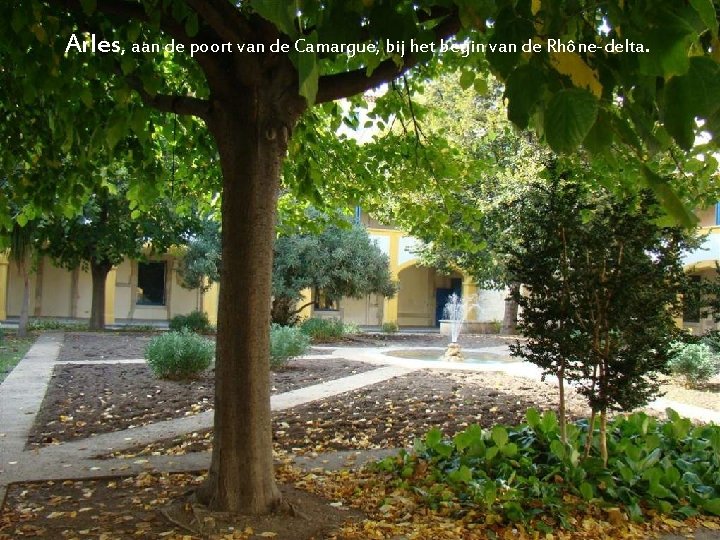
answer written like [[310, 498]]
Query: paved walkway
[[22, 392]]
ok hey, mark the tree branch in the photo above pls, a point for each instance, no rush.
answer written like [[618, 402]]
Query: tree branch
[[340, 85], [188, 105], [223, 18]]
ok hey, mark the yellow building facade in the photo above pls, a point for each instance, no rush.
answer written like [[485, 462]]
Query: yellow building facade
[[135, 291], [422, 291], [701, 264]]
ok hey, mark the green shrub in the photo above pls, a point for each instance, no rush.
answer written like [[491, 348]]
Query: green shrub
[[525, 473], [695, 362], [195, 321], [2, 335], [323, 329], [178, 355], [43, 325], [390, 327], [350, 329], [286, 343]]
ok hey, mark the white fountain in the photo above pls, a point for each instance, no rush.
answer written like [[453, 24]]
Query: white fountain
[[456, 309]]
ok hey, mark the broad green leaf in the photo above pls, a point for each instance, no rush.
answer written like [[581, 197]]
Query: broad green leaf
[[510, 450], [568, 118], [115, 132], [433, 438], [468, 437], [712, 506], [481, 85], [558, 449], [691, 95], [706, 10], [670, 200], [308, 72], [490, 494], [281, 14], [532, 416], [587, 491], [523, 90], [499, 436], [463, 474], [192, 25], [549, 422], [466, 79], [670, 47]]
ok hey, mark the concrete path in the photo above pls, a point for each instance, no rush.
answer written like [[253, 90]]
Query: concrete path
[[22, 392]]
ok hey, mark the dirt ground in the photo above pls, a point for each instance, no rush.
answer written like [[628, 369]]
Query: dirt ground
[[86, 399]]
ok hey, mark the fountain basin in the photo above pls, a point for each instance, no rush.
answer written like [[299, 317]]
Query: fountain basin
[[436, 355], [468, 327]]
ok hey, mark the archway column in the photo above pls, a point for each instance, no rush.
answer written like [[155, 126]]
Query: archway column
[[469, 290], [4, 264], [390, 305]]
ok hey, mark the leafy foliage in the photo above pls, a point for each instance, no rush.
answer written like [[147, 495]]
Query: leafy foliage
[[41, 325], [286, 343], [695, 362], [525, 473], [323, 330], [179, 355], [195, 321], [601, 280], [108, 229], [390, 327], [340, 261]]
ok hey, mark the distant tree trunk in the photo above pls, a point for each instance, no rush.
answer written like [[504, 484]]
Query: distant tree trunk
[[285, 311], [251, 128], [509, 325], [99, 273], [25, 309]]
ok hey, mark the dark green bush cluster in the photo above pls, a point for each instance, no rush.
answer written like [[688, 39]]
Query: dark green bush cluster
[[323, 330], [179, 355], [712, 340], [195, 321], [525, 472], [2, 335], [390, 327], [286, 343]]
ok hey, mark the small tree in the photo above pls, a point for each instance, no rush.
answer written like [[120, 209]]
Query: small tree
[[339, 261], [105, 232], [601, 281], [20, 240]]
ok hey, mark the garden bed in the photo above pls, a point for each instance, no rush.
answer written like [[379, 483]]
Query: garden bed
[[392, 413], [87, 399]]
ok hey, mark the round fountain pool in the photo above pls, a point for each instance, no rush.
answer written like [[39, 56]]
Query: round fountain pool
[[471, 356]]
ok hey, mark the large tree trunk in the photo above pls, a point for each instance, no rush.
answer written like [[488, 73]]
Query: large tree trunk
[[99, 273], [510, 317], [252, 136]]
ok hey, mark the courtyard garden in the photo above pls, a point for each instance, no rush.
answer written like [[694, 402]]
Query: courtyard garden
[[265, 177], [396, 454]]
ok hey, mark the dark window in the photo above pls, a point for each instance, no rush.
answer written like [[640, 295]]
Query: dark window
[[151, 284]]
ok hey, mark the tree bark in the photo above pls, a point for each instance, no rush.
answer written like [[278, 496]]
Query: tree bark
[[250, 127], [99, 273], [511, 311]]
